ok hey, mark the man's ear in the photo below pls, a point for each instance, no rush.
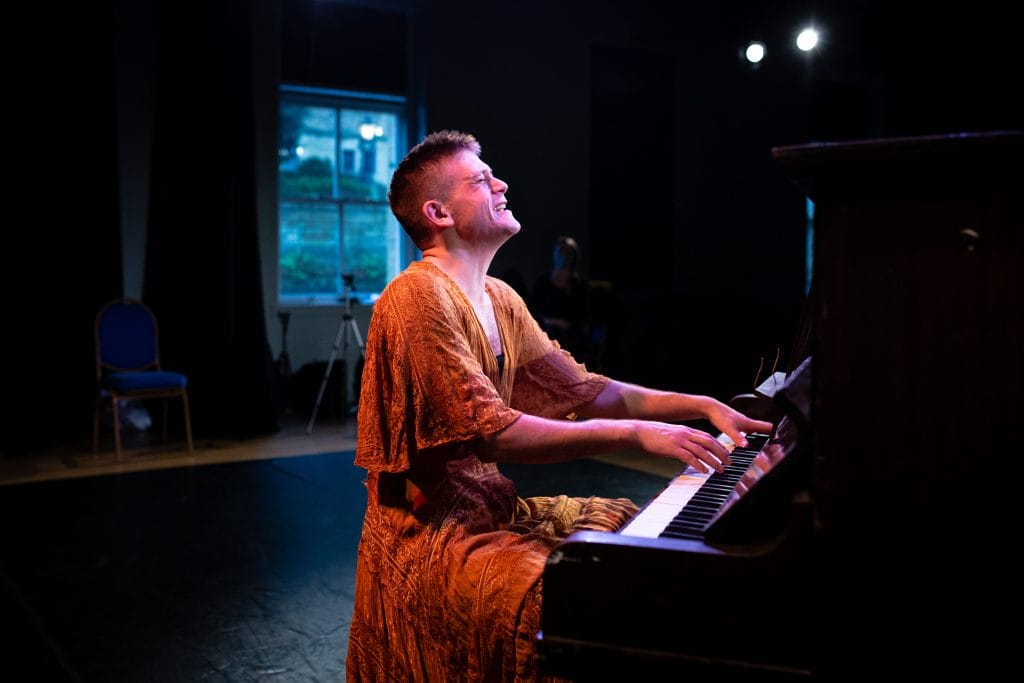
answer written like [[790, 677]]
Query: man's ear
[[437, 214]]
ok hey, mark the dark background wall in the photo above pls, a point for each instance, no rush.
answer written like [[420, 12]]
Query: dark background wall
[[631, 125]]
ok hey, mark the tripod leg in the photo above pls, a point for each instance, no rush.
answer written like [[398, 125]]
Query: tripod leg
[[327, 376], [359, 338], [353, 329], [320, 394]]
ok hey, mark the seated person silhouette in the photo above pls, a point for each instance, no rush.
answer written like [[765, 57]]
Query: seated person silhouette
[[558, 299]]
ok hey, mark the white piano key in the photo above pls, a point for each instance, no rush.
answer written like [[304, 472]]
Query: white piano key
[[656, 515]]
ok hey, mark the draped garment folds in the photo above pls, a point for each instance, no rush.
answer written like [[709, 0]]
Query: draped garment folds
[[450, 558]]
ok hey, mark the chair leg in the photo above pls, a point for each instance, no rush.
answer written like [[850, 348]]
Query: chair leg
[[163, 426], [188, 422], [97, 407], [117, 427]]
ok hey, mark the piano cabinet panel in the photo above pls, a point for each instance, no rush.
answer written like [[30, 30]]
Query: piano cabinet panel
[[917, 353], [919, 360]]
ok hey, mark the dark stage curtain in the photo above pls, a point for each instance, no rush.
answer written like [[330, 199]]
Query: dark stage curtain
[[202, 275], [62, 251]]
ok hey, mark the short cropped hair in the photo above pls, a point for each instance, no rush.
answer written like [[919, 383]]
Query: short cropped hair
[[416, 179]]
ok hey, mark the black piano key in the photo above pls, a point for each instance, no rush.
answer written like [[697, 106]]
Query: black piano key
[[692, 525], [704, 504], [694, 517], [756, 441], [692, 535], [697, 519]]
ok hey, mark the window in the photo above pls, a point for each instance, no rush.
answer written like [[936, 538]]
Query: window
[[337, 235]]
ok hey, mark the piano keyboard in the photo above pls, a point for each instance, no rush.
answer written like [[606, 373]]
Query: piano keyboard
[[686, 507]]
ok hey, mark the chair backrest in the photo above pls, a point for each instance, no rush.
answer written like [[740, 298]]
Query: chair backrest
[[127, 337]]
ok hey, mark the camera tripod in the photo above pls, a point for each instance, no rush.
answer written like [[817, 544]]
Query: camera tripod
[[346, 330]]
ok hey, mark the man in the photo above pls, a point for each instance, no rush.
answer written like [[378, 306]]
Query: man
[[458, 378]]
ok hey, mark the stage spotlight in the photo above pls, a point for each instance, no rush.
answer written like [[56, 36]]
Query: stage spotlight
[[754, 52], [807, 39]]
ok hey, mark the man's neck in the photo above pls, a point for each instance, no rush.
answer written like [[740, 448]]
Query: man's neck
[[468, 270]]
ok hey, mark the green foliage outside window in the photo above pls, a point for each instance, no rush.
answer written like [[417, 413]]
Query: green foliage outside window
[[312, 180], [304, 272], [355, 186]]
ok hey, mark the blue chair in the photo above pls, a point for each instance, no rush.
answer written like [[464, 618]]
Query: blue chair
[[128, 366]]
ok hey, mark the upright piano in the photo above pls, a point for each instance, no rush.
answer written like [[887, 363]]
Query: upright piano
[[882, 538]]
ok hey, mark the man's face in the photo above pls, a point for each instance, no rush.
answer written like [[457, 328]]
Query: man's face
[[477, 200]]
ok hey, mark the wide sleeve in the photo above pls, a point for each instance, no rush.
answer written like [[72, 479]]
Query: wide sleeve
[[548, 381], [423, 384]]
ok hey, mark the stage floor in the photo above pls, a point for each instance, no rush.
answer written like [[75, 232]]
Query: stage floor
[[191, 569], [235, 572]]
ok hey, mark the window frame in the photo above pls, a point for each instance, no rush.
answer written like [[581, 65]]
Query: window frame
[[337, 99]]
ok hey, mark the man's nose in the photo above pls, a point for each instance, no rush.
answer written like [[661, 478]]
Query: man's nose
[[498, 185]]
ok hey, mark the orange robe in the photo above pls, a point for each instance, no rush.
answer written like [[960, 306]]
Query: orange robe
[[448, 583]]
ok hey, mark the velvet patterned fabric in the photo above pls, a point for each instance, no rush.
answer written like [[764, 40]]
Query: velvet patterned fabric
[[448, 584]]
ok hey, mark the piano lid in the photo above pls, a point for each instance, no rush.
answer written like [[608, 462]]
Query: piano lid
[[901, 168]]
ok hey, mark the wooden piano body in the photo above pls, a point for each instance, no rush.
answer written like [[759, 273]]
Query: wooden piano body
[[899, 553]]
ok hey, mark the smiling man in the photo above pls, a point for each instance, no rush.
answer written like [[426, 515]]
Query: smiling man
[[459, 378]]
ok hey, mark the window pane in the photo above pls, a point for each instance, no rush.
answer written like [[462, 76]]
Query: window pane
[[370, 246], [309, 250], [307, 152], [369, 143], [338, 150]]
